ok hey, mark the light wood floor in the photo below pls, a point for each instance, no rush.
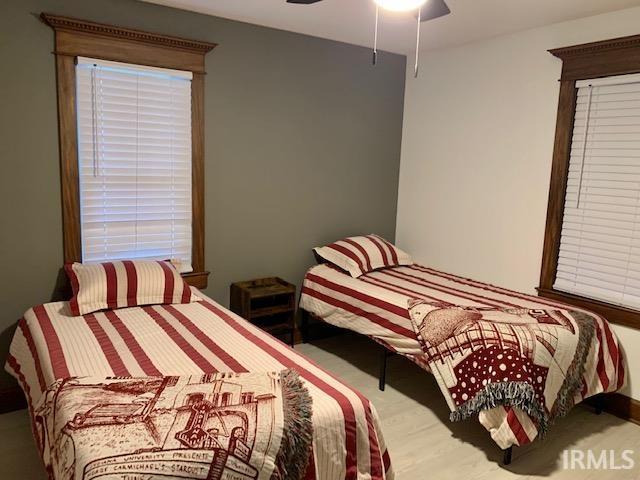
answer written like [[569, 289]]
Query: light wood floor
[[422, 442]]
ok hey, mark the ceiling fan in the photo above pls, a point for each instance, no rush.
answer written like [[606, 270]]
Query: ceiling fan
[[425, 10], [429, 9]]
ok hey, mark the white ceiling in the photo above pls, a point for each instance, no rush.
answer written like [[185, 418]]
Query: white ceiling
[[352, 21]]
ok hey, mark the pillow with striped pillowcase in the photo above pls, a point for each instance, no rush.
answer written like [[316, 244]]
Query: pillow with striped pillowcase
[[126, 283], [362, 254]]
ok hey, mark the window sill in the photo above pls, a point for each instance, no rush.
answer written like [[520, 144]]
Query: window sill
[[612, 313], [196, 279]]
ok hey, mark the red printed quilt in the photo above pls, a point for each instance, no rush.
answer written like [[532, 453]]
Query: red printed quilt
[[221, 426], [484, 357]]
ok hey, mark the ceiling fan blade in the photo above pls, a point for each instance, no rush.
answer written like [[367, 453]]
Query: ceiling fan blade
[[434, 9], [304, 2]]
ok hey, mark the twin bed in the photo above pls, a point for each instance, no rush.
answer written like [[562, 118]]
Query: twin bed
[[185, 391], [180, 387], [378, 304]]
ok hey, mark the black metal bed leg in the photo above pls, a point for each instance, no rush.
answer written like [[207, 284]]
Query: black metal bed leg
[[383, 369], [599, 404], [304, 325], [506, 459]]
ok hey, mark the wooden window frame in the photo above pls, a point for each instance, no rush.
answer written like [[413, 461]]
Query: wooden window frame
[[619, 56], [78, 38]]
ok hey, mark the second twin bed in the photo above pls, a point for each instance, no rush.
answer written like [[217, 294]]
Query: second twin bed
[[516, 361]]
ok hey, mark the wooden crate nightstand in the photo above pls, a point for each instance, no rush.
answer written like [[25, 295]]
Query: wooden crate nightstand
[[269, 303]]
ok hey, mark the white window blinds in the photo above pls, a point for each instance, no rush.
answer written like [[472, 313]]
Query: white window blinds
[[599, 253], [134, 148]]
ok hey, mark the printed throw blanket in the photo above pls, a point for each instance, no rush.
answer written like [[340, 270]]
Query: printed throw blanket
[[483, 358], [222, 426]]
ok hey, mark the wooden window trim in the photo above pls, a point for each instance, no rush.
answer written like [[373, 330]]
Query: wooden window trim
[[75, 38], [619, 56]]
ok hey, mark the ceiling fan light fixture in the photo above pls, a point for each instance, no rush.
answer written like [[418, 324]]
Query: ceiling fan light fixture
[[400, 5]]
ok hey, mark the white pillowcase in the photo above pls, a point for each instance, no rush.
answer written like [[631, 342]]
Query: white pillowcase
[[362, 254], [126, 283]]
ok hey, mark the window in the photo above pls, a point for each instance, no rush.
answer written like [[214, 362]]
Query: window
[[225, 399], [194, 398], [134, 153], [599, 253], [591, 255], [131, 134]]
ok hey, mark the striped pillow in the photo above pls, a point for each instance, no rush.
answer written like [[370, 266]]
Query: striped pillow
[[359, 255], [127, 283]]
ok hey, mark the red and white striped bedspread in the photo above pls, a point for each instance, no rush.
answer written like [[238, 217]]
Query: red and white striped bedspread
[[375, 305], [196, 338]]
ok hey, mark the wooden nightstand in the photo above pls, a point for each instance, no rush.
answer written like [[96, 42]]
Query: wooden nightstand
[[269, 303]]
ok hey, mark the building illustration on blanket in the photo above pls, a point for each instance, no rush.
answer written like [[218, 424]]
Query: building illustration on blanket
[[474, 348], [212, 427]]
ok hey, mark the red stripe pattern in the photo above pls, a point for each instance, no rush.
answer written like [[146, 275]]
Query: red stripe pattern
[[363, 254], [54, 347], [232, 364], [111, 284], [132, 283], [194, 338], [180, 341], [375, 305], [26, 332], [133, 346], [126, 283], [106, 345]]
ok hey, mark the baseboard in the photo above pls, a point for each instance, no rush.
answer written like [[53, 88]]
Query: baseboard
[[12, 399], [621, 406]]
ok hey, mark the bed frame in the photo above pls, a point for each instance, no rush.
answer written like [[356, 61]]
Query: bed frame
[[385, 353]]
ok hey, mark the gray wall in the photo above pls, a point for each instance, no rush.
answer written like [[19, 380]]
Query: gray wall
[[302, 146]]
